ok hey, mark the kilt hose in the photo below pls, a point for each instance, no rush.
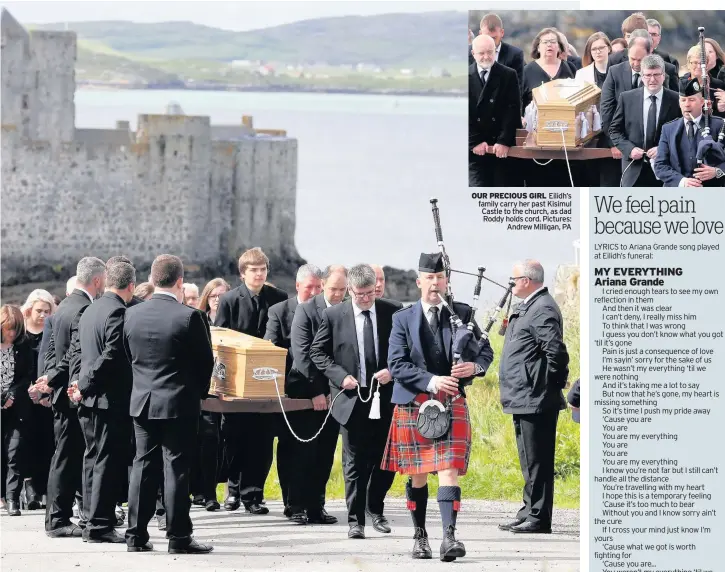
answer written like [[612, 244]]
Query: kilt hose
[[409, 453]]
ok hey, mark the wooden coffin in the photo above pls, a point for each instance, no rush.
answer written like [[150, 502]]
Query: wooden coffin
[[243, 365], [559, 104]]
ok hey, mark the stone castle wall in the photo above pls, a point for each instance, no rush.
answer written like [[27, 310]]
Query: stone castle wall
[[169, 187]]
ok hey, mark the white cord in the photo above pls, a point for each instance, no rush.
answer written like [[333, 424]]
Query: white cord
[[621, 181], [329, 409], [566, 157]]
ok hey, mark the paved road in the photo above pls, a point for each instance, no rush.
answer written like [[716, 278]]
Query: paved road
[[249, 543]]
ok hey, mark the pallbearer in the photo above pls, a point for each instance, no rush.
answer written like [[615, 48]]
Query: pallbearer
[[420, 360]]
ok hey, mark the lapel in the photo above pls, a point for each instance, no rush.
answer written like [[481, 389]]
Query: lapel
[[320, 305], [639, 102], [475, 80], [348, 320], [418, 321], [503, 54], [680, 134], [384, 327], [263, 307], [626, 76], [291, 307], [491, 87], [664, 113], [246, 308]]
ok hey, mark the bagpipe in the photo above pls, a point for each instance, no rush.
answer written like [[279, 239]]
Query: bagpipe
[[709, 151]]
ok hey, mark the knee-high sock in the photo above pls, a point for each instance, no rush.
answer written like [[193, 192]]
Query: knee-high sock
[[417, 503], [449, 501]]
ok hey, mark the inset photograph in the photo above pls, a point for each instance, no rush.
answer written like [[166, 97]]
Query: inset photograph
[[596, 99]]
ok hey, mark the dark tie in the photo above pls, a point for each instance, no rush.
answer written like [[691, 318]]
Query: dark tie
[[371, 362], [483, 77], [434, 323], [649, 138], [635, 80], [255, 307], [691, 131]]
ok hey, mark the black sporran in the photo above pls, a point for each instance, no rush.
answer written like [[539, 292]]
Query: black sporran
[[434, 419]]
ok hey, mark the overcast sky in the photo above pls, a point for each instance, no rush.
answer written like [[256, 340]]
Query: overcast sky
[[228, 15]]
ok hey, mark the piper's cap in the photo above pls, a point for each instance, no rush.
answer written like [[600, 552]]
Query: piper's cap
[[431, 262], [690, 87]]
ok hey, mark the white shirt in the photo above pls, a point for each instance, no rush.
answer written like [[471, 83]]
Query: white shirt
[[639, 73], [326, 302], [534, 293], [498, 50], [85, 292], [696, 120], [647, 102], [169, 294], [360, 331], [480, 69]]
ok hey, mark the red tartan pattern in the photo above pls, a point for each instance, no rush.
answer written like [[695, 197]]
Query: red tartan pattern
[[409, 453]]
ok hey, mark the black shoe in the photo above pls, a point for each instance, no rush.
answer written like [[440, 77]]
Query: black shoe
[[450, 547], [529, 527], [30, 498], [193, 547], [161, 521], [13, 508], [287, 512], [380, 523], [320, 517], [112, 537], [510, 525], [232, 503], [69, 531], [198, 500], [148, 547], [212, 505], [255, 508], [421, 548], [356, 531], [298, 518]]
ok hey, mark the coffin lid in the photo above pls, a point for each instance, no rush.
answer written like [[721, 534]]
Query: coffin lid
[[564, 93], [225, 338]]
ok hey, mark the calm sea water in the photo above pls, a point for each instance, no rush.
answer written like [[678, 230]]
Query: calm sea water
[[368, 165]]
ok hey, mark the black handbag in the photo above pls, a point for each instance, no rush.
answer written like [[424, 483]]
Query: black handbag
[[434, 418]]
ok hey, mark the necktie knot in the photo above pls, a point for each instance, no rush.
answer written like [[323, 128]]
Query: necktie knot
[[635, 81], [483, 77], [653, 98]]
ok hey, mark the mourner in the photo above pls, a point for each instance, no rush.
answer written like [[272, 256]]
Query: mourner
[[421, 363], [351, 350], [506, 54], [245, 309], [638, 121], [641, 33], [169, 347], [103, 389], [305, 380], [379, 280], [694, 65], [533, 371], [494, 114], [63, 363], [292, 455], [191, 295], [676, 163], [655, 31]]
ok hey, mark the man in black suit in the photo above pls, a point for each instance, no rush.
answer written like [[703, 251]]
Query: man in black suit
[[169, 347], [292, 455], [642, 37], [306, 381], [246, 309], [352, 345], [638, 121], [655, 31], [506, 54], [494, 114], [103, 390], [62, 362]]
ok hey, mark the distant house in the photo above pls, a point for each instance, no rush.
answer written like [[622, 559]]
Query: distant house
[[265, 70]]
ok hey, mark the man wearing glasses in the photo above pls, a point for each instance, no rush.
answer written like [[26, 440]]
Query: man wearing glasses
[[637, 123], [532, 373], [350, 349]]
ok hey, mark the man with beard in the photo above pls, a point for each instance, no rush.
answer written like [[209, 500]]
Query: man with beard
[[246, 309], [305, 381], [352, 345], [494, 114]]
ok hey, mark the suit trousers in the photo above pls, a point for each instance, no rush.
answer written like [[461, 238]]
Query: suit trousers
[[104, 463], [363, 442], [166, 444], [249, 450], [323, 458], [536, 443], [204, 469], [40, 440], [13, 453], [66, 469], [647, 177], [487, 171]]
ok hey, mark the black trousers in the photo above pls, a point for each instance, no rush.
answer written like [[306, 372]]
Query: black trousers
[[536, 442], [249, 450], [104, 463], [167, 444], [66, 469], [647, 177], [13, 453], [323, 457], [40, 440], [363, 442], [204, 469], [487, 171], [610, 172]]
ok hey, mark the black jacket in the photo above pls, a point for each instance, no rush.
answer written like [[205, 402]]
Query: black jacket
[[627, 128], [236, 309], [305, 380], [335, 353], [18, 391], [169, 347], [533, 368], [494, 110], [279, 326], [44, 343], [105, 376], [62, 360], [512, 57], [671, 70], [668, 59]]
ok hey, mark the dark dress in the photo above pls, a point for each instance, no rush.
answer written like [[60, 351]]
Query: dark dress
[[554, 173]]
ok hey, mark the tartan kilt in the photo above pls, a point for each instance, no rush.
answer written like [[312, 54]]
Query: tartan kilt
[[409, 453]]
